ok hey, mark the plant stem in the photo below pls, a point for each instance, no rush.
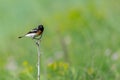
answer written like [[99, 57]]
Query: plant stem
[[38, 62]]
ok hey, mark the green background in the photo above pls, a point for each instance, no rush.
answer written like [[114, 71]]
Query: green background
[[83, 32]]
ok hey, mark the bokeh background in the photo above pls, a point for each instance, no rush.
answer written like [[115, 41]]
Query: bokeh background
[[81, 40]]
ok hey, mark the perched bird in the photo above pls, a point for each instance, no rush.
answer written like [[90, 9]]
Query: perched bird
[[35, 33]]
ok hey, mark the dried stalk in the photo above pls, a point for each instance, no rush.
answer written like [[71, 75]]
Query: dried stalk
[[38, 61]]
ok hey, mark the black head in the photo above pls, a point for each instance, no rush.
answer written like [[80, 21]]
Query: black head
[[40, 27]]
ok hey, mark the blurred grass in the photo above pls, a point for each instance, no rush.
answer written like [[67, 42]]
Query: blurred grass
[[89, 29]]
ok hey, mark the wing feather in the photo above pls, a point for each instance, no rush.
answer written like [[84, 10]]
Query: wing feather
[[33, 31]]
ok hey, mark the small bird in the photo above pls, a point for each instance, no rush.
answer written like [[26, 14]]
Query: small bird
[[35, 33]]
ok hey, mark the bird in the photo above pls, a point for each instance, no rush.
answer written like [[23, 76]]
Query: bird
[[35, 33]]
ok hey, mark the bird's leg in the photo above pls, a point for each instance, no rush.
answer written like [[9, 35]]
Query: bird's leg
[[37, 43]]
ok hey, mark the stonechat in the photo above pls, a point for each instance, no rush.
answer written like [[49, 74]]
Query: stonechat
[[35, 33]]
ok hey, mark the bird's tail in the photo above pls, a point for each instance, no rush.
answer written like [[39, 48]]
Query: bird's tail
[[20, 36]]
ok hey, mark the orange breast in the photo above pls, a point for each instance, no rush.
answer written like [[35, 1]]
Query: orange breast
[[39, 32]]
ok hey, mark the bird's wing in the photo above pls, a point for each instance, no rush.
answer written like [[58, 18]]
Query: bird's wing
[[33, 31]]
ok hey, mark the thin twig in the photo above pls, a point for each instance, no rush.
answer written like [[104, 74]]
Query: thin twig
[[38, 62]]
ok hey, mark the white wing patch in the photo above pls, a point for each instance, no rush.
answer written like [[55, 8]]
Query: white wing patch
[[30, 35]]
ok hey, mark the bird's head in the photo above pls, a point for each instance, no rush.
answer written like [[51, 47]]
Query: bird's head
[[40, 27]]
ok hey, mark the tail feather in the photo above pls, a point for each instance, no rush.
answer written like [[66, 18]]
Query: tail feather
[[20, 36]]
